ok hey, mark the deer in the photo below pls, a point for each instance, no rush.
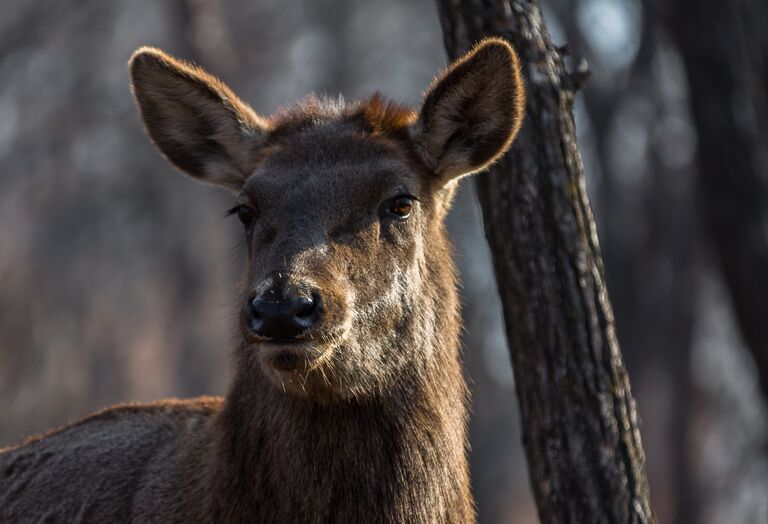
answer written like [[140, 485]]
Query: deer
[[348, 401]]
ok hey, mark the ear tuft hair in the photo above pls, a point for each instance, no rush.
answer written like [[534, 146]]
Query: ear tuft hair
[[195, 120], [472, 112], [385, 117]]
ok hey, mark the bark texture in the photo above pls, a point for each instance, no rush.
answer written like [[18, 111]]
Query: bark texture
[[580, 426], [725, 50], [655, 322]]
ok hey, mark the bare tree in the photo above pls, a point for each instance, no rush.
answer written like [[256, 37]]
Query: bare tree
[[579, 420]]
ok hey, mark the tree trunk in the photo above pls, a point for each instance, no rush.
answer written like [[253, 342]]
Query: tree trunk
[[725, 49], [580, 426]]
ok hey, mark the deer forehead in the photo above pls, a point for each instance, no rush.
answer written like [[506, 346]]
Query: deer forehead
[[325, 169]]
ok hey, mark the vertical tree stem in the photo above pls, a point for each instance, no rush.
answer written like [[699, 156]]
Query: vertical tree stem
[[580, 427]]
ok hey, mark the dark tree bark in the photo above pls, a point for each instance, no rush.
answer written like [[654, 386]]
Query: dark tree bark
[[580, 426], [725, 50]]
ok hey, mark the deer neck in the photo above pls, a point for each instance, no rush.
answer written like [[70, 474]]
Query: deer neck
[[394, 459]]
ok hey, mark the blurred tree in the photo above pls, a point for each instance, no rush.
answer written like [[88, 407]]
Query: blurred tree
[[725, 50], [580, 427]]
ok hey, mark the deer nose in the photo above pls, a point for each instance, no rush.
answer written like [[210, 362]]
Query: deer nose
[[283, 314]]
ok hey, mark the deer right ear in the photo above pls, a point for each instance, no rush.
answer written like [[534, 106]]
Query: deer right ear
[[472, 112], [195, 120]]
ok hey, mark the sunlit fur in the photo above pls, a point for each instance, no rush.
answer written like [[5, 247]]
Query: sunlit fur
[[371, 428]]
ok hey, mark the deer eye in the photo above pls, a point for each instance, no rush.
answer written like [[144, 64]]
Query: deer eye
[[401, 206], [245, 214]]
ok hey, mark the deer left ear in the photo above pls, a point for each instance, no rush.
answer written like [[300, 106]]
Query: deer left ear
[[195, 120], [472, 112]]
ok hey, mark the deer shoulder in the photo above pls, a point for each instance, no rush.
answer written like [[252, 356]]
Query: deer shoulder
[[104, 468]]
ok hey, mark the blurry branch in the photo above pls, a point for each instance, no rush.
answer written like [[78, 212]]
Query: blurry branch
[[725, 49], [580, 426]]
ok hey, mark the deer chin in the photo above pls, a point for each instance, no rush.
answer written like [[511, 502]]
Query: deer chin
[[298, 368]]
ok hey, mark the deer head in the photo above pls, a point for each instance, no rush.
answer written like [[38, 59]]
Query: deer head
[[350, 286]]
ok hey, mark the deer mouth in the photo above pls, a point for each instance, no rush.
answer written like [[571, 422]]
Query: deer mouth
[[296, 368], [291, 356]]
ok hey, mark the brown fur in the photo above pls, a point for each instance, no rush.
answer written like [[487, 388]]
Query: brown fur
[[370, 427]]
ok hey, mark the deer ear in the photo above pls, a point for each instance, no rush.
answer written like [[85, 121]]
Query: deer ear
[[472, 112], [195, 120]]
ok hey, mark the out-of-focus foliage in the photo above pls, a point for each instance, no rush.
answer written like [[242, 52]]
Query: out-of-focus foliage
[[117, 275]]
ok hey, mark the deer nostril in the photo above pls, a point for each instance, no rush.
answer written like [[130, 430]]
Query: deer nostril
[[306, 307], [255, 305]]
